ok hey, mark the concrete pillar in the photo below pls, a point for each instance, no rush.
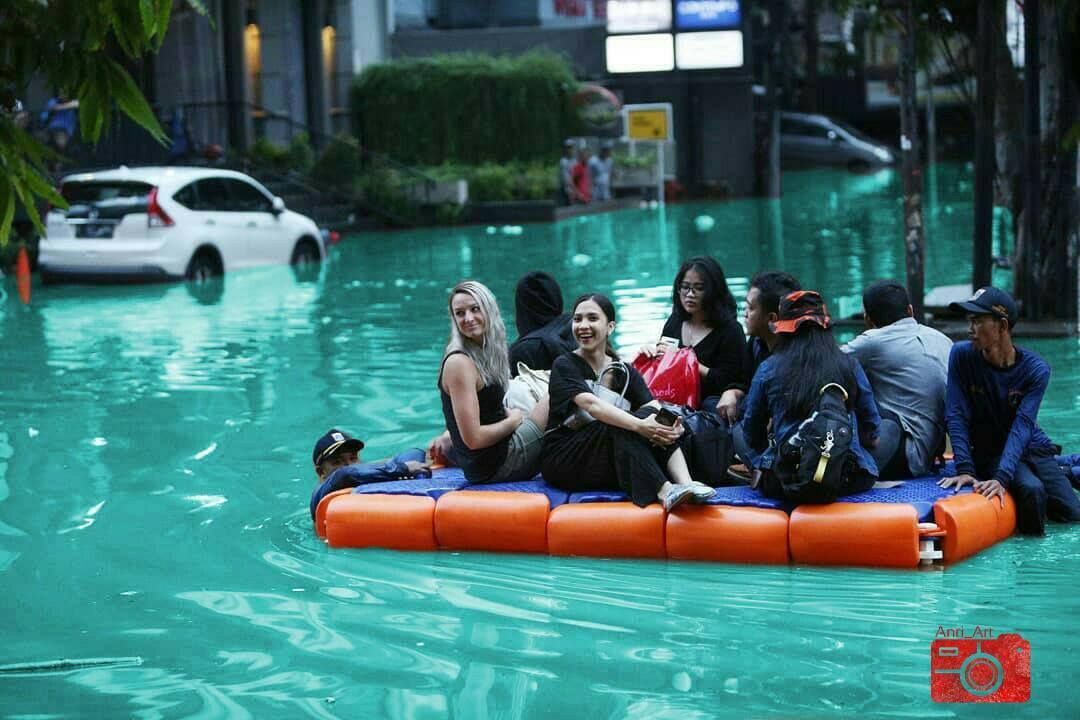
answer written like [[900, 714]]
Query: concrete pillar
[[232, 32]]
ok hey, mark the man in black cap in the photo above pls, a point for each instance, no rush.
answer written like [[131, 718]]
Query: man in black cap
[[991, 407], [337, 463]]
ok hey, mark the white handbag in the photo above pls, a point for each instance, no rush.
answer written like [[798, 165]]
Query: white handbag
[[580, 418], [526, 389]]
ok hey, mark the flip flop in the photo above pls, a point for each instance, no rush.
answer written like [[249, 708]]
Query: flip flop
[[677, 496]]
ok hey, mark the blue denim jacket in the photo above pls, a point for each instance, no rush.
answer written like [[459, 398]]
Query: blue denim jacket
[[351, 476], [766, 402]]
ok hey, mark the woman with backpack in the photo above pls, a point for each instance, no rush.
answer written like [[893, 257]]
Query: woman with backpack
[[821, 409], [618, 443]]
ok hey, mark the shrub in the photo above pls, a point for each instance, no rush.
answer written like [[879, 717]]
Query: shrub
[[467, 108], [339, 162], [297, 157]]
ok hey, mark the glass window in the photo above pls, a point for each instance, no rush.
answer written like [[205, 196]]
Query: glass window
[[187, 196], [244, 197], [790, 126], [78, 193], [212, 195]]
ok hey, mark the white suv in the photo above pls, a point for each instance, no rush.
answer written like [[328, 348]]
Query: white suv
[[157, 223]]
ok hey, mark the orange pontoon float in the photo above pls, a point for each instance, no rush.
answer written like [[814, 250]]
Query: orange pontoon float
[[916, 523]]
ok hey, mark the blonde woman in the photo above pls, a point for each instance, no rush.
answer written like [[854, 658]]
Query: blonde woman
[[490, 443]]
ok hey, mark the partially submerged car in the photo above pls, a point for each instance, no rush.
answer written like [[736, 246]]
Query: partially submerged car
[[162, 223], [810, 140]]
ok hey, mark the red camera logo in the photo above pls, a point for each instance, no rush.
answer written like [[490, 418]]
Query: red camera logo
[[979, 668]]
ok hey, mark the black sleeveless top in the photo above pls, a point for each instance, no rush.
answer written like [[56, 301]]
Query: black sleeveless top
[[479, 465]]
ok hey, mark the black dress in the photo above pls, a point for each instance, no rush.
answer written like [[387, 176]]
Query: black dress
[[723, 351], [478, 465], [599, 456]]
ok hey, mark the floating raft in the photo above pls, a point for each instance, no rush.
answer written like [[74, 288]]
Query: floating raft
[[900, 527]]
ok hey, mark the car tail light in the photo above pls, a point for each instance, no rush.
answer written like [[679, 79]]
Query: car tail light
[[155, 215], [334, 237]]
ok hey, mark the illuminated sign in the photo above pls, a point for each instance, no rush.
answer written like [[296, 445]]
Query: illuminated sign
[[640, 53], [708, 14], [638, 16], [705, 50]]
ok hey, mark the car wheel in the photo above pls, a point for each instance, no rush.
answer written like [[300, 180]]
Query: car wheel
[[203, 267], [306, 253]]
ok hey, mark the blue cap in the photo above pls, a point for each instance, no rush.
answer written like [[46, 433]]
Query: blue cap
[[989, 301], [333, 442]]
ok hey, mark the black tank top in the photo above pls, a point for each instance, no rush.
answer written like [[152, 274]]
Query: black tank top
[[479, 465]]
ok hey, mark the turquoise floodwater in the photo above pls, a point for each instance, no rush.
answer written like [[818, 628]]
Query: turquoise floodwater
[[154, 481]]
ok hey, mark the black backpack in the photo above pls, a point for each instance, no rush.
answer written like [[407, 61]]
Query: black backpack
[[816, 464], [708, 449]]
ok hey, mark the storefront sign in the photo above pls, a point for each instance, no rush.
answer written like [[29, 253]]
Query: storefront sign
[[707, 14]]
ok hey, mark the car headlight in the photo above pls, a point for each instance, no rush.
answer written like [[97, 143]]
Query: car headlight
[[883, 154]]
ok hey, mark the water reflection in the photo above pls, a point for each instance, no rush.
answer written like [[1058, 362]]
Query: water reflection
[[139, 414]]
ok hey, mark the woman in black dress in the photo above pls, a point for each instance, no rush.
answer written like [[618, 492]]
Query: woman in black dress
[[619, 450], [703, 317]]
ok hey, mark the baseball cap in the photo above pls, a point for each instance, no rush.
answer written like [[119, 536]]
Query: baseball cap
[[989, 300], [799, 307], [333, 442]]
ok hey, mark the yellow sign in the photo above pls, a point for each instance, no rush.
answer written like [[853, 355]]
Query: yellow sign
[[647, 124]]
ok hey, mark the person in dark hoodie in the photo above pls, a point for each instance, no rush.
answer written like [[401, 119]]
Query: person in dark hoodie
[[544, 331]]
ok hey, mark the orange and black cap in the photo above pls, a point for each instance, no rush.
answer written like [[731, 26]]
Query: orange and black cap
[[799, 307]]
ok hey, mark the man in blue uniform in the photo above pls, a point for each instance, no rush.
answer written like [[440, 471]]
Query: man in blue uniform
[[991, 407]]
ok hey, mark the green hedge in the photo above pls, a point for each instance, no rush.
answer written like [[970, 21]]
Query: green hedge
[[466, 108], [491, 182]]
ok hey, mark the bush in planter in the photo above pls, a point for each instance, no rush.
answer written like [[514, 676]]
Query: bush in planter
[[491, 183], [339, 162], [537, 182], [384, 188], [267, 153], [501, 183], [298, 156]]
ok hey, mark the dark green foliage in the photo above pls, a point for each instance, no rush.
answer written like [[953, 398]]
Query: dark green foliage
[[466, 108], [298, 156], [338, 163], [504, 182]]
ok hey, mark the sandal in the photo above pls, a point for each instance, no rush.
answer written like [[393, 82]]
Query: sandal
[[701, 491], [677, 495]]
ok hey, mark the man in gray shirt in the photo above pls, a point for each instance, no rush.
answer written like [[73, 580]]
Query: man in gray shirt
[[907, 365]]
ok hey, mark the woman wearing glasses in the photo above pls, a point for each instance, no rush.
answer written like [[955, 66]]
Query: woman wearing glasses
[[703, 317]]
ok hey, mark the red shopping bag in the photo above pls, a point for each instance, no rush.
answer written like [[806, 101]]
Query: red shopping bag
[[672, 377]]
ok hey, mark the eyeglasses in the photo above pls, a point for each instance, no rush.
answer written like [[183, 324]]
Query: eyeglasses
[[687, 288]]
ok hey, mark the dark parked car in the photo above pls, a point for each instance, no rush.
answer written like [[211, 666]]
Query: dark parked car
[[808, 140]]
